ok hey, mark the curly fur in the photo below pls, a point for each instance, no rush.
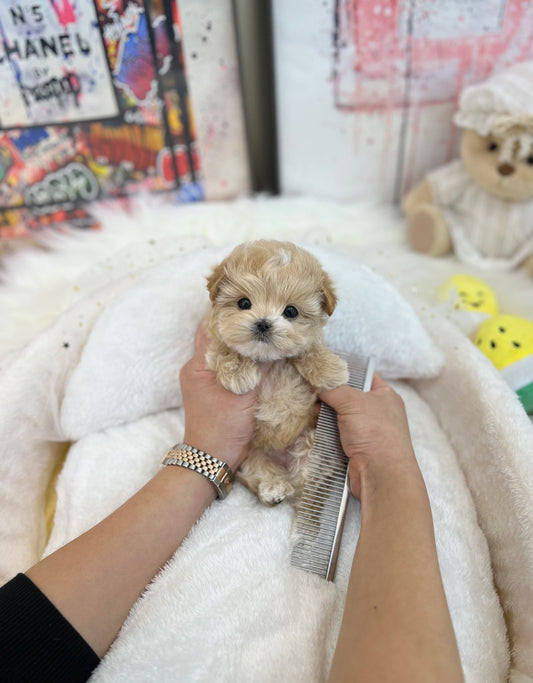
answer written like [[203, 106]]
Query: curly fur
[[271, 276]]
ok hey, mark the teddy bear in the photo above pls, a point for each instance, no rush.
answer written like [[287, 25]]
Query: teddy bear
[[481, 205]]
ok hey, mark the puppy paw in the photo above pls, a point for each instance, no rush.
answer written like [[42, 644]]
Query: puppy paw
[[273, 492], [322, 368], [239, 376], [332, 374]]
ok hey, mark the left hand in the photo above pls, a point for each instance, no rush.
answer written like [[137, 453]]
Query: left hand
[[374, 433], [217, 421]]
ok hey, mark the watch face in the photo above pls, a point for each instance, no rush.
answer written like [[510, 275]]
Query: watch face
[[226, 482]]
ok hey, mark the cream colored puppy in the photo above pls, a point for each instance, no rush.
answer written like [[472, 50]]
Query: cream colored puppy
[[270, 302]]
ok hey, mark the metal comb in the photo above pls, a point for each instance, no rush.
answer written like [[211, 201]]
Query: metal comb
[[321, 509]]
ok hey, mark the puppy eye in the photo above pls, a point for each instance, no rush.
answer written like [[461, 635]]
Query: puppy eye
[[529, 160], [244, 304], [493, 146], [290, 312]]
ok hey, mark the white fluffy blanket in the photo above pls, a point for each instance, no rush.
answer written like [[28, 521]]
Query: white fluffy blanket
[[104, 378]]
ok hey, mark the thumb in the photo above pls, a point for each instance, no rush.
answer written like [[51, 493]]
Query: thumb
[[343, 399], [201, 341]]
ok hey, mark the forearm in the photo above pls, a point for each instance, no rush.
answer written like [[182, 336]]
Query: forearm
[[396, 623], [95, 579]]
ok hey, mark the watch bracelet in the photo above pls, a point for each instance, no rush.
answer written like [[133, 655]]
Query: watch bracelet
[[216, 471]]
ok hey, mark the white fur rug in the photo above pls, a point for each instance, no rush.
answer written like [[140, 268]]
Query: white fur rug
[[37, 284], [130, 298]]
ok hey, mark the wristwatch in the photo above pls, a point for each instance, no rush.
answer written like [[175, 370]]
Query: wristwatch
[[218, 473]]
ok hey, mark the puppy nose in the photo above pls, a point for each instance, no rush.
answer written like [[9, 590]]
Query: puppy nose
[[505, 169], [263, 325]]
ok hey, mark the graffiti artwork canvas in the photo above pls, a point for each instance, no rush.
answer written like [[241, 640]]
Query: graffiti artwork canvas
[[95, 103], [53, 65]]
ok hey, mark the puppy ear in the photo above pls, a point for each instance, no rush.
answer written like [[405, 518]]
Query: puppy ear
[[329, 298], [214, 280]]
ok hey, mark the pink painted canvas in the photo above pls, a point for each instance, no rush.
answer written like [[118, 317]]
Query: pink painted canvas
[[380, 80]]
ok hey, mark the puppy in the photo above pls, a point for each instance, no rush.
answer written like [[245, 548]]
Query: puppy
[[270, 302]]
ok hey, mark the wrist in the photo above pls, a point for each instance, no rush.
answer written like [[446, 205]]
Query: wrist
[[390, 483], [179, 478], [233, 455], [215, 471]]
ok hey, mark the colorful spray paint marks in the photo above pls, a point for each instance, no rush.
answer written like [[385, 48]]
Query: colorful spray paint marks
[[93, 104], [64, 11], [52, 70], [416, 56]]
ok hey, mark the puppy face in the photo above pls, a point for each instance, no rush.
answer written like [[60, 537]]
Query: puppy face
[[270, 300]]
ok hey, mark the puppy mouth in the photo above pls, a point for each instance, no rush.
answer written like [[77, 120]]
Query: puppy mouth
[[263, 340]]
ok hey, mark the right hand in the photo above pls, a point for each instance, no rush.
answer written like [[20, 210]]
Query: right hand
[[218, 421], [374, 433]]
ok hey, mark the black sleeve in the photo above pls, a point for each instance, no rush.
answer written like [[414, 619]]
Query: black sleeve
[[37, 643]]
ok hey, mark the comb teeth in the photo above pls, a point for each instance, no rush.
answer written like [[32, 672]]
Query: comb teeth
[[322, 506]]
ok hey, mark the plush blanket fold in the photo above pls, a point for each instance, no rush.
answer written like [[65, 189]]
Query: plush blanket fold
[[228, 606]]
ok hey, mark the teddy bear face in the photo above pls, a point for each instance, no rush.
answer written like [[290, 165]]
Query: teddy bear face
[[508, 179]]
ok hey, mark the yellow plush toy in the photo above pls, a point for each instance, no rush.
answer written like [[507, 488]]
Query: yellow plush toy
[[508, 342], [481, 205], [505, 339], [469, 293]]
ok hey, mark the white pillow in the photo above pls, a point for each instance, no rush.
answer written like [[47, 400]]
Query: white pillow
[[130, 364], [373, 318]]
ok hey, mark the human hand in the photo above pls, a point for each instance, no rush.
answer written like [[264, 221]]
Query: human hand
[[374, 433], [217, 421]]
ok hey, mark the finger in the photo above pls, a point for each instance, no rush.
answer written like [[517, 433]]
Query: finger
[[378, 382], [201, 346], [341, 398], [201, 341]]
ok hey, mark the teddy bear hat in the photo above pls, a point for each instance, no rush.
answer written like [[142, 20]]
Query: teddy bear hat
[[502, 106]]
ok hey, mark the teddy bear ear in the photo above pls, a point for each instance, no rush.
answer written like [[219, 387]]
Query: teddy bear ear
[[214, 280], [329, 298]]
